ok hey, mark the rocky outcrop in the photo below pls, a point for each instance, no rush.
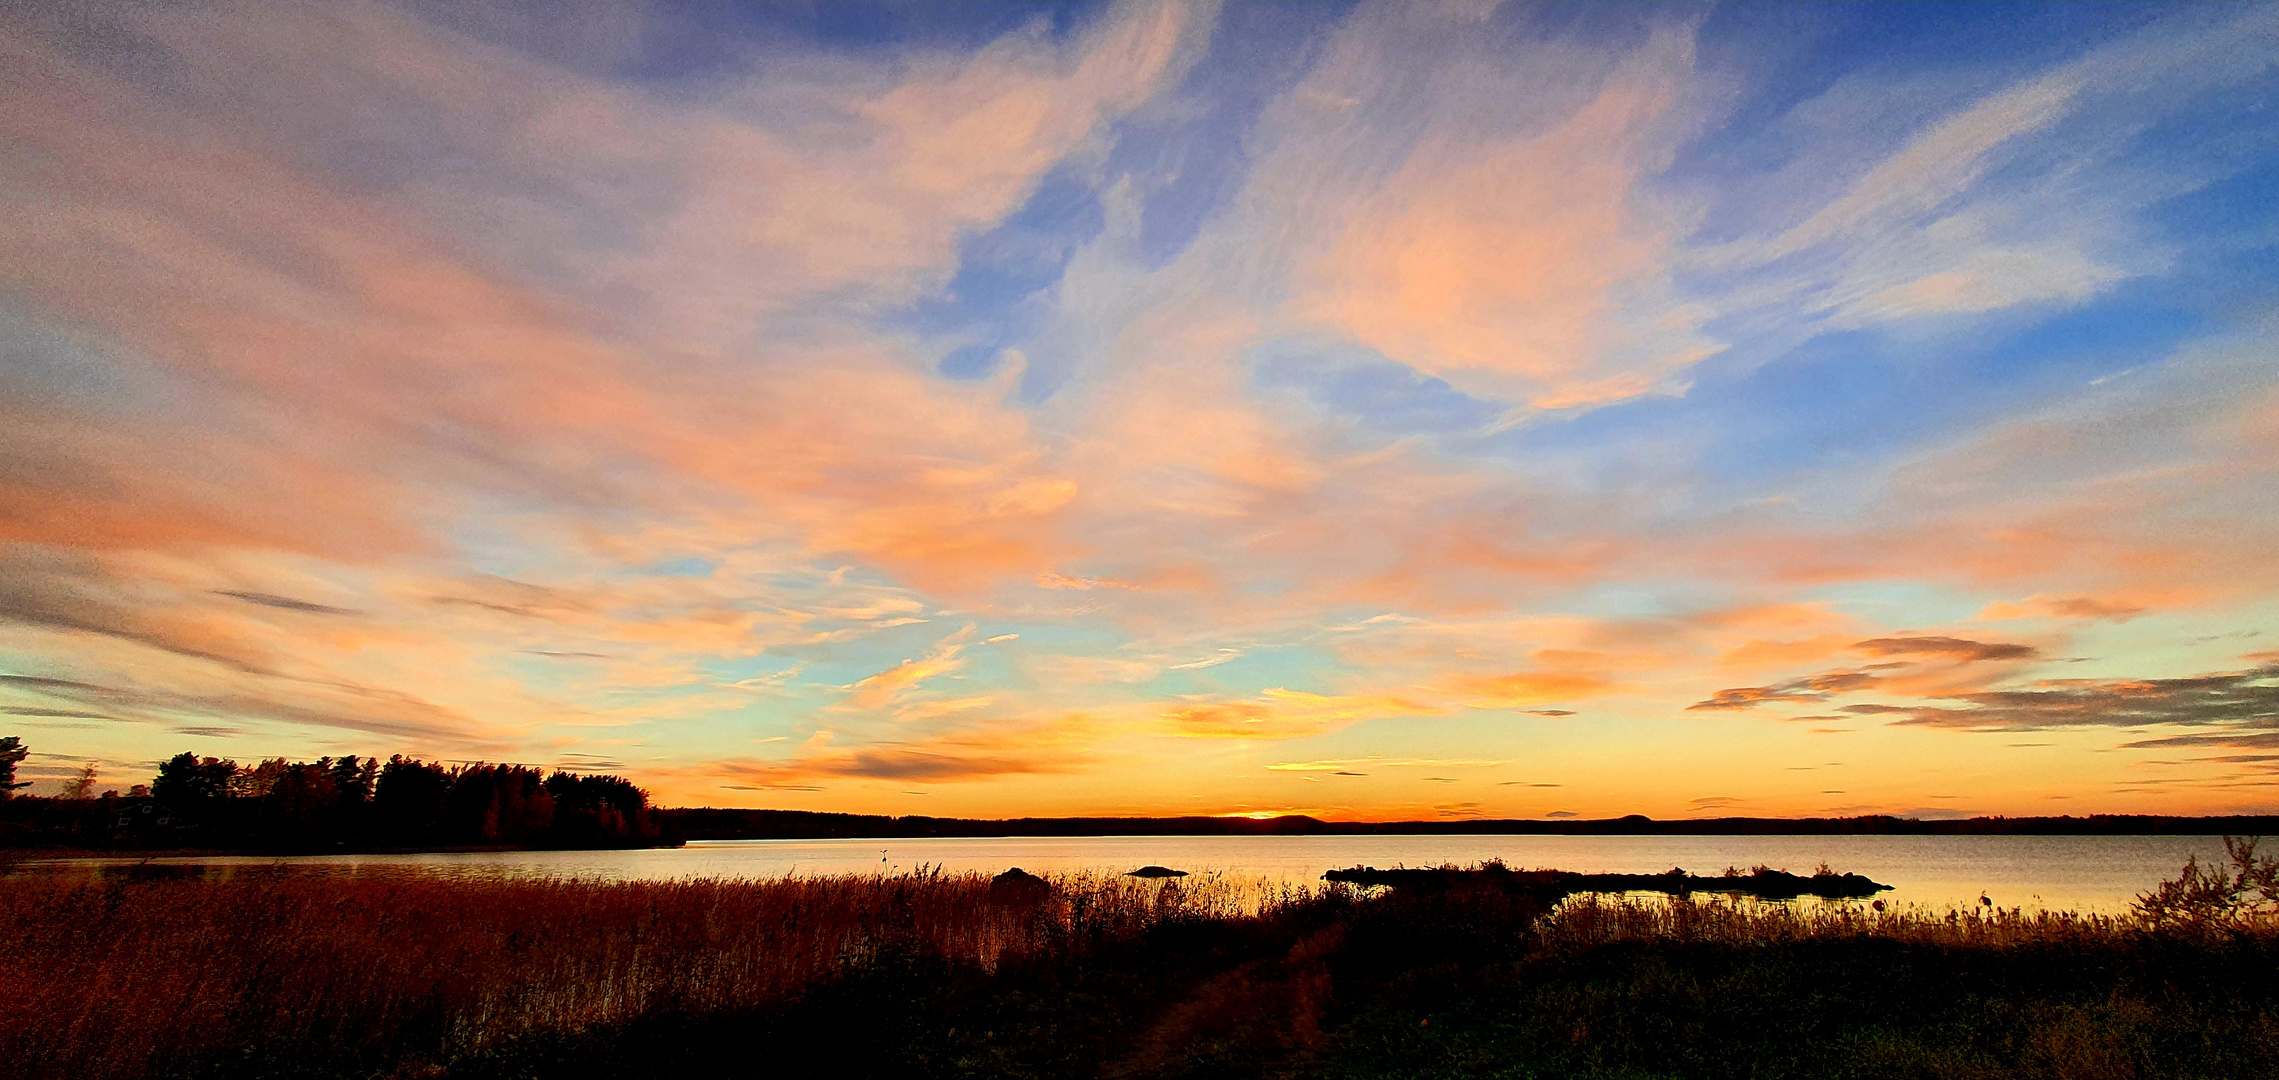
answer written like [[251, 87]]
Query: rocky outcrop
[[1019, 888], [1552, 886]]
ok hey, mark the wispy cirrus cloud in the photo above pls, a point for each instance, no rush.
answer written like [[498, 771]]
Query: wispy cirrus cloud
[[1281, 713], [1392, 383], [2249, 698], [1345, 766], [1815, 688], [878, 690], [1960, 650]]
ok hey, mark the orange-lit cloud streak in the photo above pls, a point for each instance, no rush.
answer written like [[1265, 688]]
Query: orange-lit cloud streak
[[1131, 411]]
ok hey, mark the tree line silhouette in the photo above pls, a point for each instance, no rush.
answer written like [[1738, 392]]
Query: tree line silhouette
[[346, 802]]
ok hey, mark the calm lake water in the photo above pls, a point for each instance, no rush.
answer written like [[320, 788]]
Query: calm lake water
[[2079, 873]]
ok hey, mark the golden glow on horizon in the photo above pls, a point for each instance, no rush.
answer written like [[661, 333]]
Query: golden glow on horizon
[[1508, 429]]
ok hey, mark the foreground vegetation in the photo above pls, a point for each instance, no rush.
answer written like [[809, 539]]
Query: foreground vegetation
[[164, 972], [297, 975]]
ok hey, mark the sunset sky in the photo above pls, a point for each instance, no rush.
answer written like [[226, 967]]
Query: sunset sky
[[1405, 411]]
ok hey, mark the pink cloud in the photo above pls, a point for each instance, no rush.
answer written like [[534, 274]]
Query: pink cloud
[[1518, 265]]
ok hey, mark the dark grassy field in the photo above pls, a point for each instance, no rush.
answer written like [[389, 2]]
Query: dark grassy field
[[1624, 990], [291, 975]]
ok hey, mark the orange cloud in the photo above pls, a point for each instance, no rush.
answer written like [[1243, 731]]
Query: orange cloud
[[879, 690], [1346, 765], [2063, 607], [1008, 749], [1529, 688], [1286, 714], [1758, 653]]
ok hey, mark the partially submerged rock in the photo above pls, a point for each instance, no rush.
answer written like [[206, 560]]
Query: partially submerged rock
[[1152, 871], [1554, 885], [1019, 888]]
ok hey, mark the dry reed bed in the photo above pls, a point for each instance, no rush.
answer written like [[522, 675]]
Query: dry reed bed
[[1588, 921], [103, 979]]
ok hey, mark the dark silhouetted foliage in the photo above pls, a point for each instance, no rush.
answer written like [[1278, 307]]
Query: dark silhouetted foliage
[[407, 800], [2212, 899], [12, 754], [346, 803], [186, 780], [596, 806]]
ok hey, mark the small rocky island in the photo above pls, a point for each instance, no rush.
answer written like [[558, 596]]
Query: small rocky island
[[1551, 886]]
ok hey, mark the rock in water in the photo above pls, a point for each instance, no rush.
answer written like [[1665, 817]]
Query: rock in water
[[1156, 871], [1019, 888], [1554, 885]]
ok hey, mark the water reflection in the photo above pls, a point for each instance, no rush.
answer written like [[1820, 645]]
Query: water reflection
[[2080, 873]]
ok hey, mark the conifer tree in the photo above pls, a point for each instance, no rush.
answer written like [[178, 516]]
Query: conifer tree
[[12, 753]]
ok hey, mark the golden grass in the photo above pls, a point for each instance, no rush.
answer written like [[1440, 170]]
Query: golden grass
[[1589, 920], [103, 979], [362, 973]]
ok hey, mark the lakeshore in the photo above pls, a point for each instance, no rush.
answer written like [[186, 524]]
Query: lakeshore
[[937, 974], [2087, 874]]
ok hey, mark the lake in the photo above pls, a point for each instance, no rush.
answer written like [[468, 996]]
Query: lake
[[2079, 873]]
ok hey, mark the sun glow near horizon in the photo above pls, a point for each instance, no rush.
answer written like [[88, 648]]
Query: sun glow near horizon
[[1398, 411]]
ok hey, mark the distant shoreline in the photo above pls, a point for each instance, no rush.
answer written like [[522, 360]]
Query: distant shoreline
[[68, 852], [679, 826], [729, 824]]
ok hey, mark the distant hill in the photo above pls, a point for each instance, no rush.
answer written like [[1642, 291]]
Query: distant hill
[[705, 823]]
